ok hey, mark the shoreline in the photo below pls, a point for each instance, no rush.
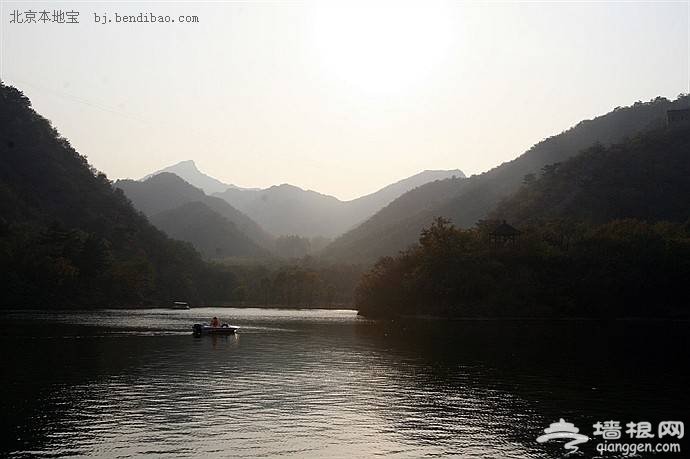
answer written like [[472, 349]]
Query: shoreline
[[432, 318], [342, 307]]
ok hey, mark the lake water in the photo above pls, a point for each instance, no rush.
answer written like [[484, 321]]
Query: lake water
[[326, 383]]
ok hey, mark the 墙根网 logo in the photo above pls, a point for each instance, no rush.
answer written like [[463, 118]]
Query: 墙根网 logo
[[563, 429]]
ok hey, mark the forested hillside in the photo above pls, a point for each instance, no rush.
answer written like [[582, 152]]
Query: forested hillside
[[166, 191], [465, 202], [68, 238], [646, 177], [213, 235], [604, 234]]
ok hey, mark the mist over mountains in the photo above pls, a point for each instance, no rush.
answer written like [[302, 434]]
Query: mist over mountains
[[603, 234], [392, 218], [212, 234], [69, 236], [188, 171], [284, 209], [467, 201], [163, 195], [289, 210]]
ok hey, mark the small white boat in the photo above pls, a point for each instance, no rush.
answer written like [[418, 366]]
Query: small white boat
[[180, 305], [205, 329]]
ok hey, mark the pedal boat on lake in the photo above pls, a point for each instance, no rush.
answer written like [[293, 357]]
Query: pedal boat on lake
[[205, 329]]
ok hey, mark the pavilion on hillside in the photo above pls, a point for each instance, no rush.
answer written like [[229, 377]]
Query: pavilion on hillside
[[504, 234]]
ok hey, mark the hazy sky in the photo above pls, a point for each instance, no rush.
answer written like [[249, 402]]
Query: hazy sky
[[342, 98]]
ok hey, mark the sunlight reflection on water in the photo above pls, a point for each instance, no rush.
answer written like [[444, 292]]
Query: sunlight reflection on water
[[306, 384]]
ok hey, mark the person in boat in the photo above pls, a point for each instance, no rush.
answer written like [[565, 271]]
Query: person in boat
[[215, 322]]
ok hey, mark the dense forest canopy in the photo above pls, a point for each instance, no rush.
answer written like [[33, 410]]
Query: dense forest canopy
[[464, 202], [624, 268], [605, 234], [602, 234], [304, 283], [647, 177], [68, 238]]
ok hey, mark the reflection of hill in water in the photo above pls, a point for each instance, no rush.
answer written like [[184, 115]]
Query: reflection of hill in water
[[331, 385], [513, 378]]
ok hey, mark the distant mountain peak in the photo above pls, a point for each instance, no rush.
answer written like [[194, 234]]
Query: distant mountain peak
[[288, 209], [164, 177], [466, 201], [166, 191], [189, 163], [189, 172], [287, 186], [456, 172]]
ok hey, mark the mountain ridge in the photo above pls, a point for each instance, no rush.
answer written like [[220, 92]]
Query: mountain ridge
[[466, 202], [287, 209], [644, 178], [603, 234], [213, 235], [68, 238], [190, 173], [167, 191]]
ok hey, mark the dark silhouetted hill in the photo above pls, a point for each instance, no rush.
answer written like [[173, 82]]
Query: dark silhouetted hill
[[646, 177], [213, 235], [69, 238], [604, 234], [166, 191], [466, 201]]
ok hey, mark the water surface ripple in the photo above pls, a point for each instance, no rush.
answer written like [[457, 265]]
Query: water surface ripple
[[324, 383]]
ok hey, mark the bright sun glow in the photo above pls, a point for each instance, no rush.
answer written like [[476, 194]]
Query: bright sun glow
[[382, 50]]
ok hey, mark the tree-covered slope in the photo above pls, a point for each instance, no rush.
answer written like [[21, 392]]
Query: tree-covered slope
[[646, 177], [68, 238], [603, 234], [622, 268], [381, 234], [466, 201], [166, 191], [362, 208], [213, 235]]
